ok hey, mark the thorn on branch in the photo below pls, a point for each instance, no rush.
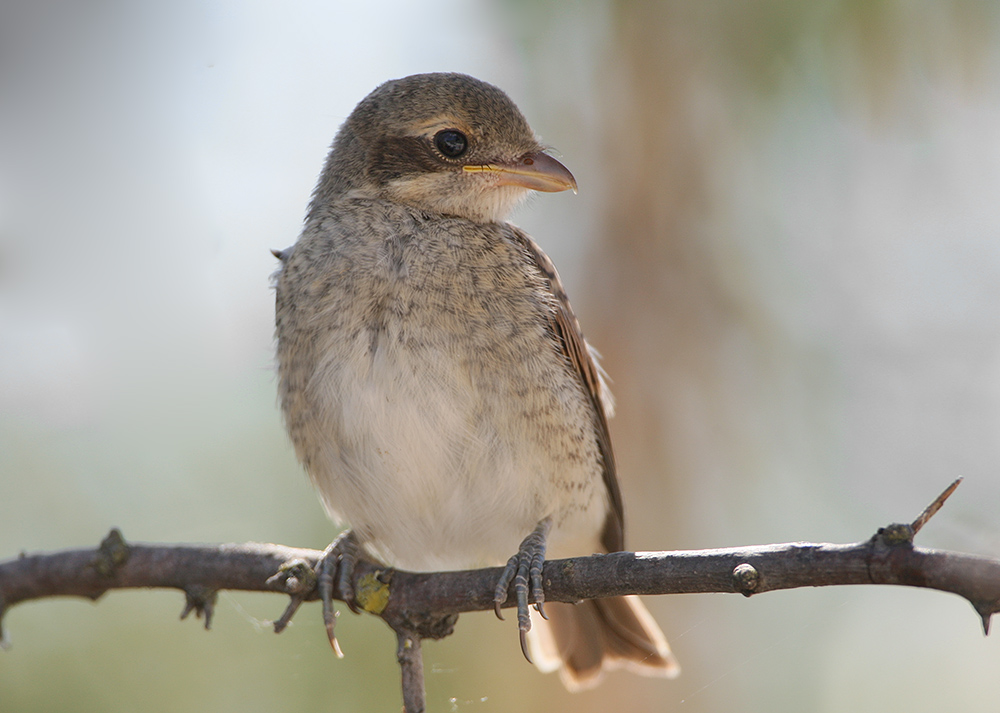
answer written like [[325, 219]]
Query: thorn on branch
[[986, 610], [931, 509], [112, 553], [902, 534], [200, 600]]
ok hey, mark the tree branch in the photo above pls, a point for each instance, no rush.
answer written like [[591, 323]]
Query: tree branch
[[426, 605]]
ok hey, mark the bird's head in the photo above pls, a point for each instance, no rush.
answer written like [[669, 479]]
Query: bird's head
[[444, 143]]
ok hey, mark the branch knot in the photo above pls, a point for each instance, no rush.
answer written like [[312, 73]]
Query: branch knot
[[745, 579], [112, 553]]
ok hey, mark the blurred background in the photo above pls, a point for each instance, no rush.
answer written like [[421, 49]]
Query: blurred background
[[786, 244]]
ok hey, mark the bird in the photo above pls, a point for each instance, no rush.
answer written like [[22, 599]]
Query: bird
[[433, 376]]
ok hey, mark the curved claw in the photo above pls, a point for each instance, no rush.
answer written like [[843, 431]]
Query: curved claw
[[345, 581], [325, 585], [330, 620], [525, 571], [540, 608], [500, 593], [339, 560], [523, 635]]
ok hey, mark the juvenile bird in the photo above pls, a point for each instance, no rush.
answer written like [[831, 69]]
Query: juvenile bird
[[433, 377]]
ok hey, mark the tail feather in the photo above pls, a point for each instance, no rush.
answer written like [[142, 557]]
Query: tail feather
[[584, 640]]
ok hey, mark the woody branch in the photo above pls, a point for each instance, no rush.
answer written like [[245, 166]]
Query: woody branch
[[425, 605]]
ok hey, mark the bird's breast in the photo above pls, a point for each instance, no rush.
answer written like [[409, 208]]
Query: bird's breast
[[444, 422]]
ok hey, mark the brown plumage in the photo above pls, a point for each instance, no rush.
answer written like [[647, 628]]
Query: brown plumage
[[434, 379]]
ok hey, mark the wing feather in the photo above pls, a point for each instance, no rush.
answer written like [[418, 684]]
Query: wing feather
[[583, 359]]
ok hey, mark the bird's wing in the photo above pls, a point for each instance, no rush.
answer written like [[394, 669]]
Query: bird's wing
[[566, 328]]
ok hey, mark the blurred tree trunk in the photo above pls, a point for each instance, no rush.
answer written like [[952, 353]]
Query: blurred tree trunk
[[746, 282]]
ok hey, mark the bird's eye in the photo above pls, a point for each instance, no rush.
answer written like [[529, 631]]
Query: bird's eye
[[451, 143]]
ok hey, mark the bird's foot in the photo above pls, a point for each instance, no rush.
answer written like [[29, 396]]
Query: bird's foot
[[338, 563], [525, 570]]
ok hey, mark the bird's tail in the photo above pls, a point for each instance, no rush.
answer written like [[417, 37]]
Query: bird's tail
[[584, 640]]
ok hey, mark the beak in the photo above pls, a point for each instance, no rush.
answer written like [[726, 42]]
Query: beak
[[537, 171]]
